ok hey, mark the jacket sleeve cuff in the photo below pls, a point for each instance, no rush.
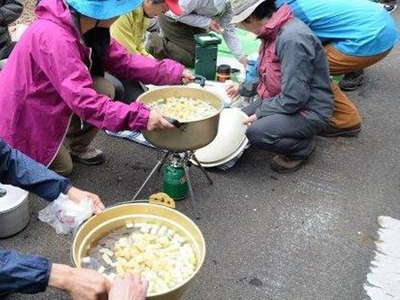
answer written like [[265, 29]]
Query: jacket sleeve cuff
[[142, 117], [181, 68], [23, 273], [67, 188]]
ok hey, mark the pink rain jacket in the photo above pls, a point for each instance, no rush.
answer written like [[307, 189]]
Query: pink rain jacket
[[47, 79], [270, 65]]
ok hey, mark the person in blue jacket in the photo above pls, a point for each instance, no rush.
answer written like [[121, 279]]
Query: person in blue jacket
[[33, 274], [357, 34]]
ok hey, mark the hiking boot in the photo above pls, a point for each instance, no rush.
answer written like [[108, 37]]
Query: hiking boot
[[344, 132], [282, 164], [352, 81], [90, 157]]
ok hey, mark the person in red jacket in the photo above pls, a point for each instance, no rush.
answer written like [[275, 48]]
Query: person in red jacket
[[294, 97]]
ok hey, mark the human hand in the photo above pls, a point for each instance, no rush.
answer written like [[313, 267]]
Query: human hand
[[187, 76], [76, 195], [243, 60], [129, 287], [250, 120], [81, 284], [157, 122], [214, 26], [232, 90]]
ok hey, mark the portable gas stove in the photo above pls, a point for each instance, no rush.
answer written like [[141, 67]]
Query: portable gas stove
[[177, 160]]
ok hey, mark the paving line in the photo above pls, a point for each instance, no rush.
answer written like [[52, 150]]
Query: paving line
[[383, 280]]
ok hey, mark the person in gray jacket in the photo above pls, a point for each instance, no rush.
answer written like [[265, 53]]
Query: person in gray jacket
[[10, 11], [295, 100], [176, 39]]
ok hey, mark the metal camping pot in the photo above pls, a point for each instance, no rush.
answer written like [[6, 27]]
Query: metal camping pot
[[118, 216], [14, 210], [190, 135]]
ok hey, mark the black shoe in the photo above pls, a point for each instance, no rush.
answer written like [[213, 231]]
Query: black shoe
[[352, 81], [390, 7], [345, 132]]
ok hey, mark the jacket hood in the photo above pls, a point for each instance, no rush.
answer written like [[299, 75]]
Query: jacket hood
[[271, 29], [58, 12]]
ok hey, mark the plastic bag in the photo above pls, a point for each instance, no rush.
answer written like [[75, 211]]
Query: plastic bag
[[65, 215]]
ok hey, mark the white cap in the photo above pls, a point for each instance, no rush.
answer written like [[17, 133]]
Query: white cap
[[242, 9]]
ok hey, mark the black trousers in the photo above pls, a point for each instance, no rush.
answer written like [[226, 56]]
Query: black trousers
[[291, 135]]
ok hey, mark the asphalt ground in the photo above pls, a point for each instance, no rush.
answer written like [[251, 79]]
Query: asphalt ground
[[307, 235]]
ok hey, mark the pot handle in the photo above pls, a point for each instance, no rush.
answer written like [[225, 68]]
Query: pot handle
[[173, 121], [201, 80], [158, 198]]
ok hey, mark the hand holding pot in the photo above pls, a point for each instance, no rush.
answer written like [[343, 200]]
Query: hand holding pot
[[187, 76], [81, 284], [77, 195], [157, 122], [129, 287]]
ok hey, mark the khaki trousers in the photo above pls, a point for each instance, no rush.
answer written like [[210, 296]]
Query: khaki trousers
[[345, 114], [79, 134], [176, 41]]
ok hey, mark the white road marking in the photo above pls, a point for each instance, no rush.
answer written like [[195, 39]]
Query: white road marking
[[383, 281]]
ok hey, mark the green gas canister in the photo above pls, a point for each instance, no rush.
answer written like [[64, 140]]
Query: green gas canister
[[174, 180]]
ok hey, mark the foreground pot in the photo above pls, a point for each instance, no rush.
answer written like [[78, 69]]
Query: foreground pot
[[190, 135], [118, 216], [14, 211]]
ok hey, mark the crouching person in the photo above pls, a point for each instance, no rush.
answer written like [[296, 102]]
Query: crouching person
[[10, 11], [295, 100]]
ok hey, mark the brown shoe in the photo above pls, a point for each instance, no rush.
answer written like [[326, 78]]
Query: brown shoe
[[282, 164], [344, 132]]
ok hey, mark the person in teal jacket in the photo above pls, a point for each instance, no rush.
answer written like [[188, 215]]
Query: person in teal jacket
[[356, 33]]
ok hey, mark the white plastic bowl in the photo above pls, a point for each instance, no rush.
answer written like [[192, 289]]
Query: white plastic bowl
[[221, 162], [231, 135]]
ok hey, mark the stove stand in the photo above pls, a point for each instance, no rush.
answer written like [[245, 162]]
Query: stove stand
[[185, 158]]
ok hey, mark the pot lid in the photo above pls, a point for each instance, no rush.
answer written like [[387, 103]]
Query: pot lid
[[231, 134], [13, 198]]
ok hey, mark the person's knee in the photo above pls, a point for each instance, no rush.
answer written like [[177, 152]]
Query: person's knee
[[252, 133], [62, 163], [64, 169], [119, 90], [257, 134], [104, 87], [67, 171]]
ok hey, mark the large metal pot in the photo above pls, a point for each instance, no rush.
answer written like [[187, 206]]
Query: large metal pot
[[118, 216], [190, 135], [14, 210]]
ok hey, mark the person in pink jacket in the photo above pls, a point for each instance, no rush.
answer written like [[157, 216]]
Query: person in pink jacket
[[54, 96]]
